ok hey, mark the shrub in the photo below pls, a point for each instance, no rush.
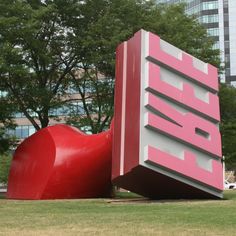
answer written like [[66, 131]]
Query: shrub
[[5, 162]]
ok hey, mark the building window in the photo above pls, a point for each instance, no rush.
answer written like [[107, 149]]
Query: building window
[[72, 107], [213, 31], [22, 131], [209, 19], [210, 5], [3, 93], [216, 45]]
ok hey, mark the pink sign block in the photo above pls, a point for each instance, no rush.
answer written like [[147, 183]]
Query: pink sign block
[[184, 64], [188, 128], [166, 141], [187, 167], [184, 96]]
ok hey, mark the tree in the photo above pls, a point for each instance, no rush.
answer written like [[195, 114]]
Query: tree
[[48, 46], [227, 96], [185, 32], [6, 122], [36, 55], [96, 96], [111, 22], [5, 162]]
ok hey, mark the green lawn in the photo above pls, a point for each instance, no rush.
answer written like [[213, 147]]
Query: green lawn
[[122, 216]]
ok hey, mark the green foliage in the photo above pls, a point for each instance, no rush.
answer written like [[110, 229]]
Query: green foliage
[[6, 108], [48, 46], [96, 100], [106, 24], [6, 141], [227, 96], [36, 55], [5, 162], [185, 32]]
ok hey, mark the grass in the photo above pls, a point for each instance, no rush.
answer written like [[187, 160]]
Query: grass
[[119, 217]]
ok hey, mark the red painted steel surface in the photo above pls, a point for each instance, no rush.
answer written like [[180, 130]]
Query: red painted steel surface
[[127, 107], [61, 162], [132, 107], [116, 145]]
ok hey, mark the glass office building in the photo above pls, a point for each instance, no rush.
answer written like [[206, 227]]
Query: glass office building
[[219, 18]]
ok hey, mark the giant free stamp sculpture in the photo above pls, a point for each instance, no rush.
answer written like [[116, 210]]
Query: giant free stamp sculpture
[[166, 140]]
